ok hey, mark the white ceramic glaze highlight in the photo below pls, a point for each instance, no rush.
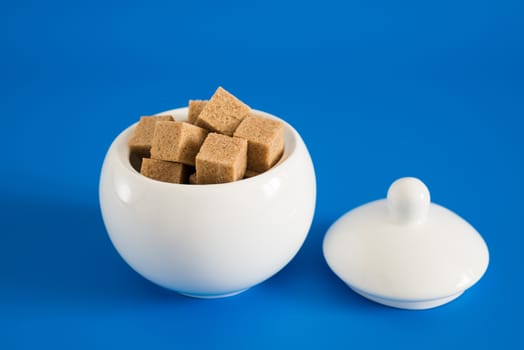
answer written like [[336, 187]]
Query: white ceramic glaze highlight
[[208, 240], [405, 251]]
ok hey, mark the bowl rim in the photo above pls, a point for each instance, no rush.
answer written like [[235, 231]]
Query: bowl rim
[[122, 153]]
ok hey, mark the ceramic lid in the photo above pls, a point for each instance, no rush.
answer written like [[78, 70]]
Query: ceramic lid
[[405, 247]]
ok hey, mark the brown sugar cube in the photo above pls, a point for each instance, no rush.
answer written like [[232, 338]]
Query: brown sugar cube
[[265, 141], [164, 171], [177, 142], [195, 107], [140, 141], [222, 113], [221, 159], [192, 179], [250, 173]]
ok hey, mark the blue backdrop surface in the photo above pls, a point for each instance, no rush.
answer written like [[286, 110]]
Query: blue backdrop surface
[[378, 90]]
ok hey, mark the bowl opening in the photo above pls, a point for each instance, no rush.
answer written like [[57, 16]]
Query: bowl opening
[[131, 162]]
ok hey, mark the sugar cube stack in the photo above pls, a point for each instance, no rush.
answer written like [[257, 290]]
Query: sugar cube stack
[[222, 141]]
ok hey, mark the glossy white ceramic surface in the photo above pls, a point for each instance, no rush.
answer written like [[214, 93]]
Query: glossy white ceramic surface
[[405, 251], [208, 240]]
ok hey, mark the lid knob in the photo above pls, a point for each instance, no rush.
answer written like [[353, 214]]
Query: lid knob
[[408, 200]]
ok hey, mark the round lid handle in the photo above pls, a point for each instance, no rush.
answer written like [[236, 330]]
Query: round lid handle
[[408, 201]]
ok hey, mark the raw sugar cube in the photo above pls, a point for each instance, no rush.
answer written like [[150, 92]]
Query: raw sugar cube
[[164, 171], [221, 159], [265, 139], [222, 113], [140, 141], [177, 142], [195, 107]]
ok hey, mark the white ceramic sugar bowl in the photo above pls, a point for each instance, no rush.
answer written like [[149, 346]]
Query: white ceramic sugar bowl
[[208, 240], [405, 251]]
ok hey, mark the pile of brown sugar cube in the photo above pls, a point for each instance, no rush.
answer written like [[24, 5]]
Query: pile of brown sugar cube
[[222, 141]]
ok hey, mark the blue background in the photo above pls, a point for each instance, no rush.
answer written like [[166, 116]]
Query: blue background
[[378, 90]]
